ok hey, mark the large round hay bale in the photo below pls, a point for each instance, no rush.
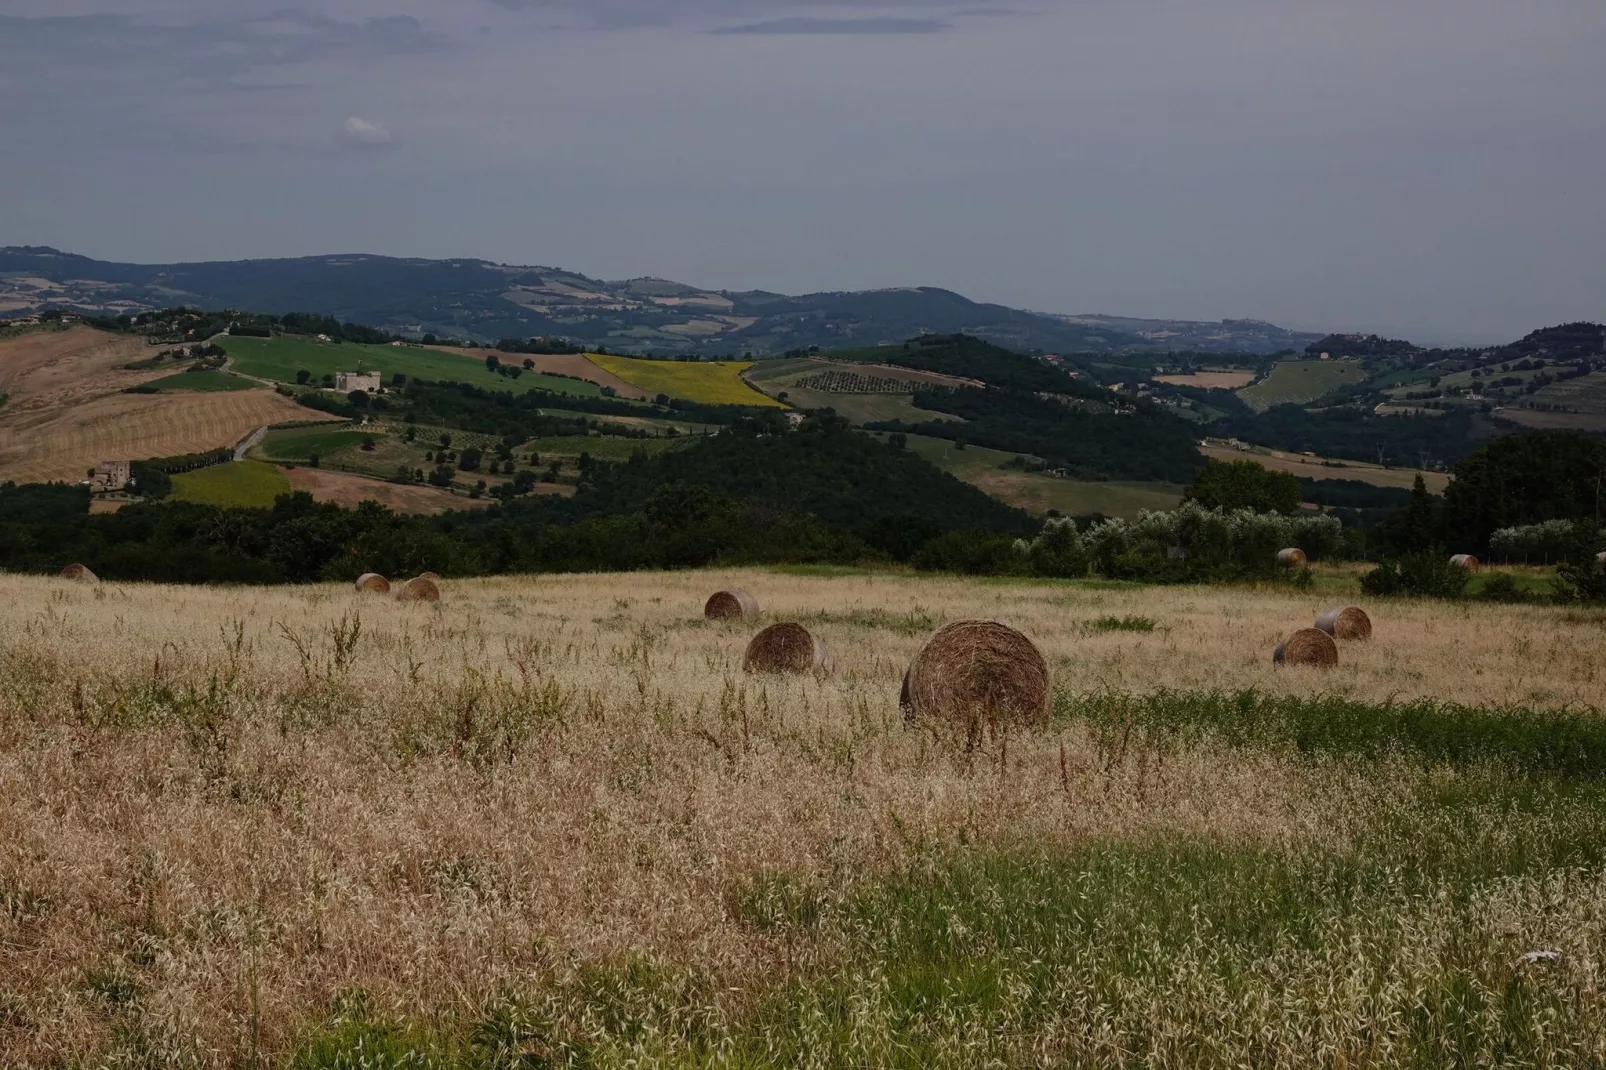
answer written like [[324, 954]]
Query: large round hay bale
[[1600, 558], [372, 583], [978, 673], [1466, 561], [419, 589], [433, 577], [734, 604], [1292, 557], [788, 648], [1308, 646], [79, 573], [1348, 622]]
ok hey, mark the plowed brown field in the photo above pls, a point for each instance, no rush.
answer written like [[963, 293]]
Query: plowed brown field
[[66, 409]]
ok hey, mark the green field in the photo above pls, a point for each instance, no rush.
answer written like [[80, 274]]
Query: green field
[[1299, 382], [204, 381], [243, 484], [280, 358], [1037, 492], [299, 443]]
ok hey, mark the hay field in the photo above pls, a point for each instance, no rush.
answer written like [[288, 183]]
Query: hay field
[[709, 382], [550, 822], [1313, 467], [38, 445], [1208, 380], [349, 489]]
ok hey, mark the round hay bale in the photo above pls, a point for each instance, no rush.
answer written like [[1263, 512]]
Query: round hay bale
[[978, 673], [1308, 646], [1350, 622], [372, 583], [788, 648], [419, 589], [79, 573], [1466, 561], [734, 604], [433, 577], [1292, 557], [1600, 558]]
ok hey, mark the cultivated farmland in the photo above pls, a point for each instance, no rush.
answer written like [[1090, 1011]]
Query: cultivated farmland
[[708, 382], [1300, 382], [41, 445], [551, 820]]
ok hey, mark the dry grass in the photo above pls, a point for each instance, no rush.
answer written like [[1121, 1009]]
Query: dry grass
[[1209, 380], [248, 803], [41, 445], [1312, 468]]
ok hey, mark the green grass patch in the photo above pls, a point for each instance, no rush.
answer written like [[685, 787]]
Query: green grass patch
[[241, 484], [1570, 743], [299, 443], [282, 357], [204, 381], [1300, 382]]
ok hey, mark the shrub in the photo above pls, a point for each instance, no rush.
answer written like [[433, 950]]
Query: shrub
[[1419, 575], [1581, 583]]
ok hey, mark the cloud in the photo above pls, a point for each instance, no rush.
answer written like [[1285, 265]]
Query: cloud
[[805, 25], [358, 131]]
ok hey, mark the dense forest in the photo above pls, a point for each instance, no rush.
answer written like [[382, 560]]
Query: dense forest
[[823, 493]]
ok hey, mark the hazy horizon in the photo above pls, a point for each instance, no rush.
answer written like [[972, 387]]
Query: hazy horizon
[[1431, 173]]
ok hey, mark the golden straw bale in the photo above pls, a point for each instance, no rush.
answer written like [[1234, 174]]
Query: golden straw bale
[[978, 674], [79, 573], [433, 577], [372, 583], [1348, 622], [1308, 646], [1466, 561], [788, 648], [1292, 557], [419, 589], [734, 604]]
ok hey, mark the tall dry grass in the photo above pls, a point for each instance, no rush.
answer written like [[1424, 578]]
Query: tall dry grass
[[223, 811]]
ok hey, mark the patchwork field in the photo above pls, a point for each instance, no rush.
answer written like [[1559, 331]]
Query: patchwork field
[[1300, 382], [550, 822], [1324, 468], [709, 382]]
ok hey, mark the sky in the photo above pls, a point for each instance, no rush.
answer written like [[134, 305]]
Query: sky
[[1433, 169]]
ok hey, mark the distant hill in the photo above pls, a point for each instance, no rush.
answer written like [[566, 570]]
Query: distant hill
[[1225, 336], [482, 301]]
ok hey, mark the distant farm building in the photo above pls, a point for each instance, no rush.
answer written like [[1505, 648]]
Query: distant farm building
[[346, 382], [111, 475]]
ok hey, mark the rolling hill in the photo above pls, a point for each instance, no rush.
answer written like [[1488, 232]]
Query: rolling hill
[[484, 301]]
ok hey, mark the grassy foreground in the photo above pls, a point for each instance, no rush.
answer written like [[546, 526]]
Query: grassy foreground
[[549, 822]]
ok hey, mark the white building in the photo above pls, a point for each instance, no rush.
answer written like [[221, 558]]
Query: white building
[[346, 382]]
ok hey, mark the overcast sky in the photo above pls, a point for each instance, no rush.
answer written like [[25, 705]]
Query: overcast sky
[[1433, 168]]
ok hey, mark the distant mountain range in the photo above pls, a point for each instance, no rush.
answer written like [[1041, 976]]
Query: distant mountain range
[[482, 301]]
